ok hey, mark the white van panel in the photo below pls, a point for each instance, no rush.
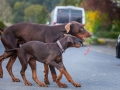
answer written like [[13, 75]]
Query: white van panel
[[70, 8]]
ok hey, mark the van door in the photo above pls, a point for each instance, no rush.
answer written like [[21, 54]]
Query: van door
[[62, 15], [69, 14], [76, 15]]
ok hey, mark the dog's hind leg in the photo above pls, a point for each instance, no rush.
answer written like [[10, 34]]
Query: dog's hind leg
[[32, 63], [1, 70], [10, 43], [24, 67], [23, 60], [2, 58], [9, 67]]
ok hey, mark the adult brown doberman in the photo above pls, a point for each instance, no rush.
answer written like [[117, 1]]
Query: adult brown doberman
[[21, 33], [48, 53]]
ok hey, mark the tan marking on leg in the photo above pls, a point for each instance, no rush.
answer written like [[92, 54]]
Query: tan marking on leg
[[25, 80], [46, 71], [34, 76], [59, 76], [2, 58], [1, 70], [54, 76], [9, 67], [32, 64]]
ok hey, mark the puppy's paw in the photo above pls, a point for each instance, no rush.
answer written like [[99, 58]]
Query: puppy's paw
[[46, 81], [16, 80], [77, 84], [1, 75], [28, 84], [42, 85], [63, 86]]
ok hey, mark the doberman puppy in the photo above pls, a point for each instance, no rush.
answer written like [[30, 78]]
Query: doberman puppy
[[48, 53], [21, 33]]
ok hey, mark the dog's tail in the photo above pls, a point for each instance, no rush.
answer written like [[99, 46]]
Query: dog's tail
[[1, 30], [10, 50]]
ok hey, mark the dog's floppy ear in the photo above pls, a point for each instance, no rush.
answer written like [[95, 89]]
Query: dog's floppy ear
[[67, 27]]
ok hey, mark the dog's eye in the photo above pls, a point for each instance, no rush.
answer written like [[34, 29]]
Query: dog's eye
[[81, 30]]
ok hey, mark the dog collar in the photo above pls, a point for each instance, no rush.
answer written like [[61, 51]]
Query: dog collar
[[61, 47]]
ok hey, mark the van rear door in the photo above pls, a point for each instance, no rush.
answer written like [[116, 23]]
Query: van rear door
[[67, 15], [62, 15], [76, 15]]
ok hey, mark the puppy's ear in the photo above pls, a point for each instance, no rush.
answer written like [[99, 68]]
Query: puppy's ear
[[67, 27], [70, 39]]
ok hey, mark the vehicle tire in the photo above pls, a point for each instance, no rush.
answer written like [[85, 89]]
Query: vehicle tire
[[118, 50]]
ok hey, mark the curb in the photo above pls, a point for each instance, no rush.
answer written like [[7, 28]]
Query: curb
[[108, 42]]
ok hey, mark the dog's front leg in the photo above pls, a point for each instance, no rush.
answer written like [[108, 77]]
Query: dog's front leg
[[62, 70], [46, 71], [69, 78], [53, 73], [55, 79], [54, 76]]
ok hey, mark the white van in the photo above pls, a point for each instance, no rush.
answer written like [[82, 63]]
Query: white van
[[65, 14]]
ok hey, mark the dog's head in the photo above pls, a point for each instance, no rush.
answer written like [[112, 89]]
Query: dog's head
[[78, 30], [72, 41]]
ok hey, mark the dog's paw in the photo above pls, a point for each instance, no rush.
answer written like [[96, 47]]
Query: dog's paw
[[28, 84], [77, 84], [63, 86], [42, 85], [1, 75], [16, 80], [46, 81]]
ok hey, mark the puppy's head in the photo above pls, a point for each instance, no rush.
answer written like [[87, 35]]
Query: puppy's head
[[72, 41]]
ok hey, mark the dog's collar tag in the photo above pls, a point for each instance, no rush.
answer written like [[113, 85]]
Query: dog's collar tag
[[61, 47]]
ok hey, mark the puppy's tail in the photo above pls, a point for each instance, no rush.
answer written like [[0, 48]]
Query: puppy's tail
[[1, 30], [10, 50]]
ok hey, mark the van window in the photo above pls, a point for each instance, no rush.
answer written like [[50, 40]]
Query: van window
[[63, 16], [76, 15]]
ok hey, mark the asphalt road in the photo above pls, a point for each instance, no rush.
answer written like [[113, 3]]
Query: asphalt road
[[98, 70]]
